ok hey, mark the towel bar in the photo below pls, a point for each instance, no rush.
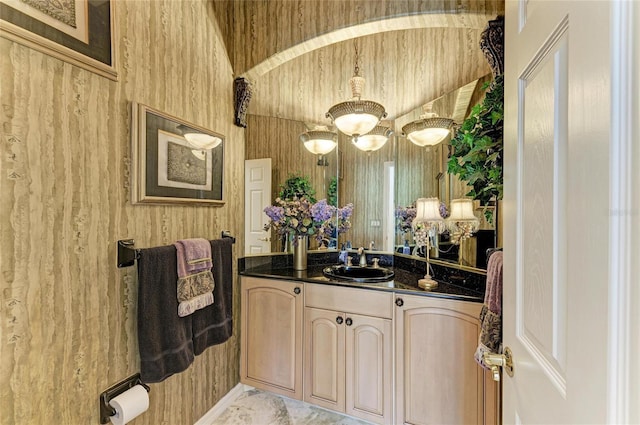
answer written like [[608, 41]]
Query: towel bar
[[127, 254], [106, 410]]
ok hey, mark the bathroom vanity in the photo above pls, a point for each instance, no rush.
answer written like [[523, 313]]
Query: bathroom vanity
[[385, 352]]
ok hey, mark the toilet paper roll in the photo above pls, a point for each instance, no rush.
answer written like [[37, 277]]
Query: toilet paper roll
[[129, 405]]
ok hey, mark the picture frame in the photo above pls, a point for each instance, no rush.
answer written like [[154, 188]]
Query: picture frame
[[80, 32], [166, 168]]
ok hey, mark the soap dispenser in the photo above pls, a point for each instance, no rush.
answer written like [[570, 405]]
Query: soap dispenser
[[343, 255], [406, 249]]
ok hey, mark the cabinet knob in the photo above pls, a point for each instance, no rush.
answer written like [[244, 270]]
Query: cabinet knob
[[339, 320], [296, 290], [399, 302], [349, 322]]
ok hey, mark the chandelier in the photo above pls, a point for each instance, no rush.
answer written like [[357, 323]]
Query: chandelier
[[373, 140], [429, 130], [320, 140], [356, 117]]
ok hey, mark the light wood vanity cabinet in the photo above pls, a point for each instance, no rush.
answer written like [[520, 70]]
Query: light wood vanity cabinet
[[350, 335], [271, 335], [348, 351], [437, 378]]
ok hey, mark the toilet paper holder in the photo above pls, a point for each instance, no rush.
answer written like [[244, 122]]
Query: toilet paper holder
[[106, 410]]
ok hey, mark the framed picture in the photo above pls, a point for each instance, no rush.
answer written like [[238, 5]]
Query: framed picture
[[174, 162], [79, 32]]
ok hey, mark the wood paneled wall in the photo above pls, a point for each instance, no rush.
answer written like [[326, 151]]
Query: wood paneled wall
[[68, 315]]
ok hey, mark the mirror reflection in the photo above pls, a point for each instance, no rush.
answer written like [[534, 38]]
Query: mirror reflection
[[383, 186], [466, 230]]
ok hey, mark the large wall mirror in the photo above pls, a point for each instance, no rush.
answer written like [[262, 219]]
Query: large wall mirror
[[379, 182], [421, 172]]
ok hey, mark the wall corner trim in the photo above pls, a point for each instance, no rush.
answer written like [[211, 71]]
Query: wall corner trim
[[222, 405]]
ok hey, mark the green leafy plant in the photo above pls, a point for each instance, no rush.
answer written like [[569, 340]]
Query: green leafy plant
[[478, 146], [297, 186], [332, 193]]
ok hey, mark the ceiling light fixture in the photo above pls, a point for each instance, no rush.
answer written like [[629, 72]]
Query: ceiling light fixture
[[320, 140], [373, 140], [429, 130], [356, 117]]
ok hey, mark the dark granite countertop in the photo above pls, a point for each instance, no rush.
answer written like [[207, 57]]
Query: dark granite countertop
[[458, 286]]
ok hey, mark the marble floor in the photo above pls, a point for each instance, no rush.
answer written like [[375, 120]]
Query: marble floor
[[256, 407]]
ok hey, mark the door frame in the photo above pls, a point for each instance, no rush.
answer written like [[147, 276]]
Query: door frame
[[624, 223]]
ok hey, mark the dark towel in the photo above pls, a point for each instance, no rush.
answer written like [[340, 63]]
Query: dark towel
[[214, 324], [491, 315], [165, 340]]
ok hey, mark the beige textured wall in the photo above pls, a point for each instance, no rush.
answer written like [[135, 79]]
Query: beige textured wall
[[67, 314], [294, 21]]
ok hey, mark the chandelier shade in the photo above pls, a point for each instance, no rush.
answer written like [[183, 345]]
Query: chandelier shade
[[428, 131], [373, 140], [320, 141], [356, 117]]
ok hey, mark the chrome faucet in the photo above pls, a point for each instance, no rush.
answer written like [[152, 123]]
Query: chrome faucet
[[363, 257]]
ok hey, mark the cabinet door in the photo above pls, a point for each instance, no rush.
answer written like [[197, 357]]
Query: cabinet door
[[324, 358], [369, 349], [438, 380], [271, 344]]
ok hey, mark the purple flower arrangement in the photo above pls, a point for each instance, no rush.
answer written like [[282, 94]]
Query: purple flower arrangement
[[301, 217], [404, 218]]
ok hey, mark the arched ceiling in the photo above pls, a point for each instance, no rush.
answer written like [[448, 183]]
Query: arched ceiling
[[300, 53]]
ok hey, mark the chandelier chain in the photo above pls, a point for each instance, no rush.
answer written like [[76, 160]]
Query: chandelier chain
[[356, 70]]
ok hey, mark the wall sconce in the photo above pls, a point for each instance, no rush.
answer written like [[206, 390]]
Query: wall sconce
[[356, 117], [373, 140], [197, 140], [427, 224], [429, 130], [202, 141], [462, 223], [320, 140]]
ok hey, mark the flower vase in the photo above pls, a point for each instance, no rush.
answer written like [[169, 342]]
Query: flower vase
[[300, 252]]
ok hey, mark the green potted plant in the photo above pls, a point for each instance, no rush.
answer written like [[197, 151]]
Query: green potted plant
[[478, 146], [297, 186]]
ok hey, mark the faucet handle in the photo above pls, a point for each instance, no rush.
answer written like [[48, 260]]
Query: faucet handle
[[349, 259], [375, 263]]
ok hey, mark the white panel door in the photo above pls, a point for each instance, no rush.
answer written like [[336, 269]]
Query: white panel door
[[257, 196], [557, 112]]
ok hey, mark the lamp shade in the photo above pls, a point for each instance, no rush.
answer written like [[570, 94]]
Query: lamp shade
[[428, 131], [373, 140], [462, 221], [320, 141], [462, 210], [202, 141], [428, 209]]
